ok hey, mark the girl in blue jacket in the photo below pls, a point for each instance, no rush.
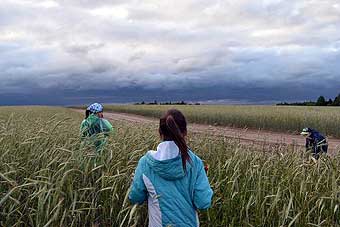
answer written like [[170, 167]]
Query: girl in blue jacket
[[172, 179]]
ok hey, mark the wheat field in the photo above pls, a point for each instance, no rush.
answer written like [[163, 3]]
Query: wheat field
[[48, 178], [275, 118]]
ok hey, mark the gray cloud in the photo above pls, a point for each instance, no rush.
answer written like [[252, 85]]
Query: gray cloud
[[85, 45]]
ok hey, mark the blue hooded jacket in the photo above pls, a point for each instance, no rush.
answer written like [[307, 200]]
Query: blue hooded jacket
[[173, 195]]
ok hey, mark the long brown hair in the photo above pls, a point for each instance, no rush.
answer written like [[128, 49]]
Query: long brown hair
[[87, 113], [173, 127]]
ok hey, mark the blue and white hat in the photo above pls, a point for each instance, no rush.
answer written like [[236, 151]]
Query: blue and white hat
[[95, 108]]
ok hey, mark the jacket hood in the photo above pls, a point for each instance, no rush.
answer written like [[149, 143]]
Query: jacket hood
[[167, 161]]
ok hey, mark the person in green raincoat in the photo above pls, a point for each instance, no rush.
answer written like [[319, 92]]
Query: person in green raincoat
[[95, 129]]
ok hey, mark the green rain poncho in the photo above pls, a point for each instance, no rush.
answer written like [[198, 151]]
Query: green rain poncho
[[95, 130]]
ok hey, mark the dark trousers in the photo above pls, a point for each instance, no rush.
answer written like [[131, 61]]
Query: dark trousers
[[323, 148]]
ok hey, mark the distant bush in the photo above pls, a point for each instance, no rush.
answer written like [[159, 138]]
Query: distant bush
[[165, 103], [321, 101]]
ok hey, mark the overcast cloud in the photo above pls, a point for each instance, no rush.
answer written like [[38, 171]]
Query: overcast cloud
[[77, 47]]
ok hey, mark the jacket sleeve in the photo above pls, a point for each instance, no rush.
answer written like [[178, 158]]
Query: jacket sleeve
[[138, 192], [315, 145], [84, 129], [106, 127], [202, 190]]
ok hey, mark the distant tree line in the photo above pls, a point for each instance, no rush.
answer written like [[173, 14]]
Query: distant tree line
[[165, 103], [321, 101]]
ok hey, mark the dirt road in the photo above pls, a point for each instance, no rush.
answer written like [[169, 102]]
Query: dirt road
[[245, 136]]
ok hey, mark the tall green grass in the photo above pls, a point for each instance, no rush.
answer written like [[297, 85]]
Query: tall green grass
[[48, 179], [275, 118]]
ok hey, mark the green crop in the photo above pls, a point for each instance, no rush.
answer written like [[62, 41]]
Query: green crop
[[47, 178], [275, 118]]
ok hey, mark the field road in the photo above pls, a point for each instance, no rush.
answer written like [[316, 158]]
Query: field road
[[245, 136]]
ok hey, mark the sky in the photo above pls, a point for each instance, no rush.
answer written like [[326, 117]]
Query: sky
[[63, 52]]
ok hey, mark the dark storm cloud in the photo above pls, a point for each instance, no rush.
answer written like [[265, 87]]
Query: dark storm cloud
[[194, 49]]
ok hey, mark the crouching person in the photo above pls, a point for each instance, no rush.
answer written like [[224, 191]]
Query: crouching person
[[172, 179], [315, 142]]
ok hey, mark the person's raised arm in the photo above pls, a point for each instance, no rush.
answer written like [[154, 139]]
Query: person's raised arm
[[106, 126]]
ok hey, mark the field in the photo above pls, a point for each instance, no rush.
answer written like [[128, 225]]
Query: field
[[48, 178], [274, 118]]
